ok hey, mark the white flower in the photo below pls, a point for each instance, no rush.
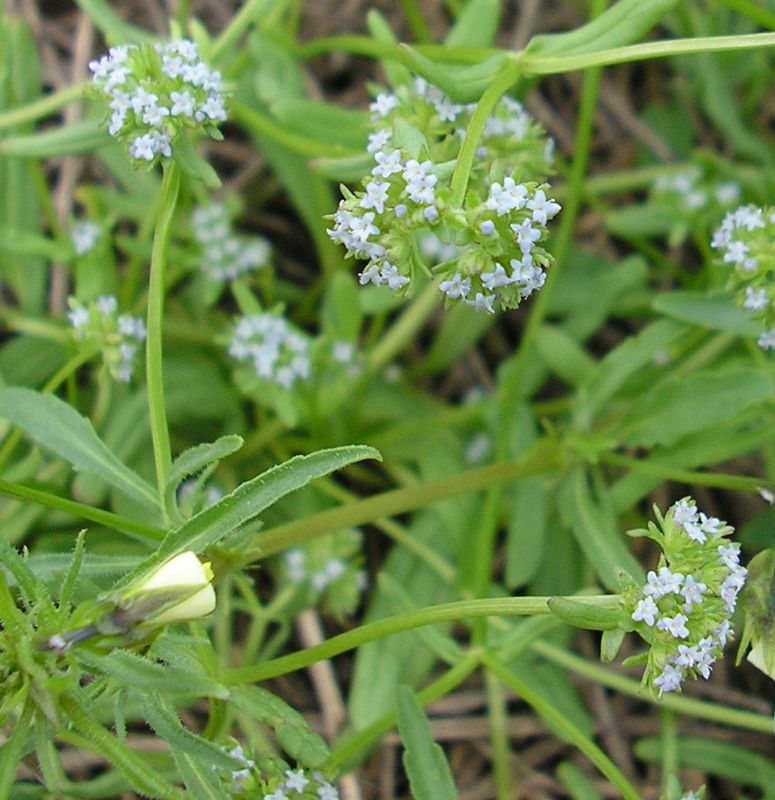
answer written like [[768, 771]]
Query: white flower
[[107, 305], [84, 235], [295, 779], [378, 140], [498, 277], [542, 208], [669, 680], [646, 611], [456, 287], [684, 512], [675, 626], [525, 235], [376, 195], [755, 299], [692, 591], [483, 302], [766, 340], [79, 317], [509, 196], [327, 792], [383, 104], [387, 163], [183, 577]]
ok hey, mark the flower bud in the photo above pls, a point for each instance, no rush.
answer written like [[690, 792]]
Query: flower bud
[[178, 590]]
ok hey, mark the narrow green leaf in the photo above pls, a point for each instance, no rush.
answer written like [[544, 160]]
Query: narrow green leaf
[[426, 766], [163, 718], [579, 786], [116, 29], [247, 501], [58, 427], [623, 23], [717, 312], [291, 728], [85, 136], [724, 759], [476, 25], [603, 546], [72, 573], [678, 407], [10, 753], [136, 671], [564, 355], [19, 570], [197, 458]]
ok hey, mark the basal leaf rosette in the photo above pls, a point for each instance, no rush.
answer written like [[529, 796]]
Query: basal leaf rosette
[[155, 93], [404, 222], [684, 610]]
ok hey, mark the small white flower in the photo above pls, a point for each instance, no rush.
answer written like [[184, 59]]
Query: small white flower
[[525, 235], [693, 592], [383, 104], [766, 340], [646, 611], [327, 792], [755, 299], [542, 208], [79, 317], [378, 140], [296, 780], [84, 235], [107, 305], [669, 680], [376, 196], [483, 302], [387, 163], [456, 287], [675, 626]]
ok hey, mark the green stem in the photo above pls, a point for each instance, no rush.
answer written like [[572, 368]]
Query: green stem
[[417, 24], [680, 703], [552, 65], [12, 752], [110, 520], [240, 22], [405, 328], [562, 723], [43, 107], [157, 410], [353, 745], [432, 615], [543, 458], [665, 472], [501, 755], [669, 742], [753, 11], [502, 83]]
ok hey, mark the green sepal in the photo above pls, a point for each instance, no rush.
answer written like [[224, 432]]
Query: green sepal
[[610, 642], [193, 164]]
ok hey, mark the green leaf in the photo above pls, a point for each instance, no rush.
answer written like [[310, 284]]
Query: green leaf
[[603, 546], [426, 766], [576, 612], [290, 727], [463, 83], [323, 122], [579, 786], [19, 570], [195, 459], [58, 427], [678, 407], [163, 718], [476, 25], [135, 671], [117, 30], [724, 759], [622, 24], [85, 136], [716, 312], [247, 501], [564, 355]]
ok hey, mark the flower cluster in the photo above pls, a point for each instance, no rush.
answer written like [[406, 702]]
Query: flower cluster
[[278, 352], [745, 242], [692, 192], [328, 568], [154, 92], [301, 784], [225, 256], [685, 607], [118, 336], [404, 216]]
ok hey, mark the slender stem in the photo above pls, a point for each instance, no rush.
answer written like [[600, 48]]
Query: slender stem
[[561, 722], [501, 755], [544, 458], [42, 107], [157, 409], [669, 742], [405, 328], [551, 65], [680, 703], [110, 520], [448, 612], [417, 24], [239, 23], [502, 83], [350, 747], [665, 472]]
